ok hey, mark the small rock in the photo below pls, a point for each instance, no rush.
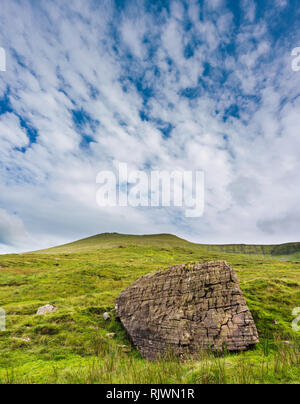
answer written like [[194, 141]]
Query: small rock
[[288, 343], [111, 335], [46, 309], [106, 316], [26, 339], [275, 322]]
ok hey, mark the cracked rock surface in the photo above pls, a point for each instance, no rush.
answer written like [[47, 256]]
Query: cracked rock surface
[[185, 309]]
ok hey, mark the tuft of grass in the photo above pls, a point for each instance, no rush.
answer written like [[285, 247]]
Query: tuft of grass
[[111, 365]]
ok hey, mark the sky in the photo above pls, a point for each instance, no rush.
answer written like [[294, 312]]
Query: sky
[[159, 85]]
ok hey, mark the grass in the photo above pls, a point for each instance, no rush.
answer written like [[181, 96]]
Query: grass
[[83, 280]]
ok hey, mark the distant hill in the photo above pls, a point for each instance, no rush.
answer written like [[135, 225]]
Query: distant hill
[[116, 240], [275, 249]]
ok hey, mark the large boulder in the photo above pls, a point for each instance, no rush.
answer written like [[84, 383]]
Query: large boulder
[[185, 309]]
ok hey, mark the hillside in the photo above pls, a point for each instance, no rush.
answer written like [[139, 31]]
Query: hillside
[[83, 280], [109, 240]]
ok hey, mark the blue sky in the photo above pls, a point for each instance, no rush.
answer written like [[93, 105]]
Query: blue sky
[[168, 85]]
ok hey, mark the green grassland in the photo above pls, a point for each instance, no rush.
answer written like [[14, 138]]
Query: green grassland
[[83, 280]]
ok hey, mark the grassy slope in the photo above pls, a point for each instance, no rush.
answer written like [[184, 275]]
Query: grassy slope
[[108, 240], [84, 278]]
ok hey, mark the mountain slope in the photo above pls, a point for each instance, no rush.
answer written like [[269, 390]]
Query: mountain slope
[[110, 240]]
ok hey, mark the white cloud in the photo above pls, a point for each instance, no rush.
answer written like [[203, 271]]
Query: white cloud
[[12, 232], [281, 3], [12, 135], [74, 58]]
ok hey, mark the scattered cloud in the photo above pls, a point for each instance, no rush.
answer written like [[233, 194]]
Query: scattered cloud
[[12, 232], [166, 85]]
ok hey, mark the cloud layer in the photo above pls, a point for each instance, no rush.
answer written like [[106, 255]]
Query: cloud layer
[[166, 85]]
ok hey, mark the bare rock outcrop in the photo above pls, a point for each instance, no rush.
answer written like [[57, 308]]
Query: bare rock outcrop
[[185, 309]]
